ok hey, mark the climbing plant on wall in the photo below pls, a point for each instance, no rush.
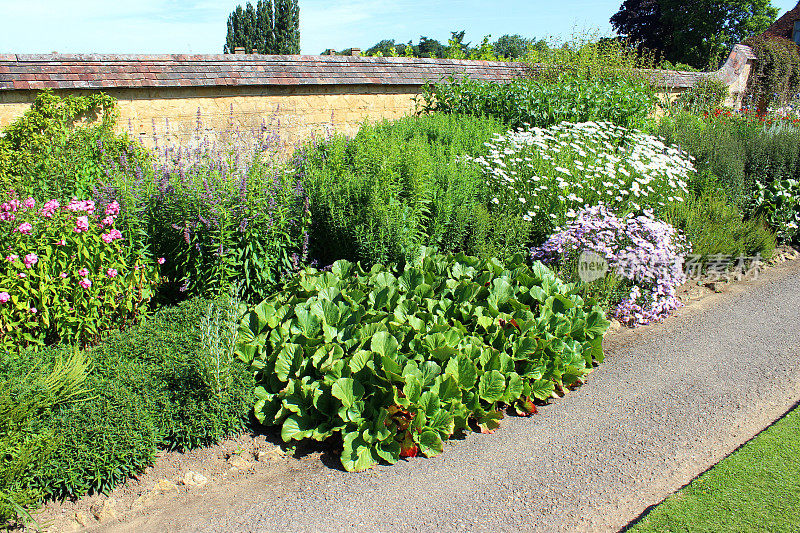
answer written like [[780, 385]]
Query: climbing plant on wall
[[775, 78]]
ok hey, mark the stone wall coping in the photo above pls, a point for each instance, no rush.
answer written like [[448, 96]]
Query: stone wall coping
[[120, 71], [101, 71], [730, 71]]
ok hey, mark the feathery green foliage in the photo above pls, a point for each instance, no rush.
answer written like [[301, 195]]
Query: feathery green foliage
[[24, 446], [396, 186]]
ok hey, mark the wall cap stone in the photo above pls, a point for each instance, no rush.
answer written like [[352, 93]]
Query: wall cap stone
[[100, 71], [105, 71]]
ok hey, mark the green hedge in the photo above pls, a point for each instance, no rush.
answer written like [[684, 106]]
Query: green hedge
[[543, 103]]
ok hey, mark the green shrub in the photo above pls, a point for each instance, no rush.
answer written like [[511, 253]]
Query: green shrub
[[28, 389], [707, 95], [715, 227], [396, 361], [56, 149], [154, 385], [394, 187], [102, 441], [542, 103], [164, 362]]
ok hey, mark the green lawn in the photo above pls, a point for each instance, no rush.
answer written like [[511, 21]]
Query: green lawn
[[757, 488]]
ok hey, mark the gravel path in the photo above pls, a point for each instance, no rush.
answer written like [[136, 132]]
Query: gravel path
[[669, 402]]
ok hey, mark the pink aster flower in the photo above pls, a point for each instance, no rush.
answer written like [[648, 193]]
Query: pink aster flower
[[63, 275], [25, 228], [61, 242], [83, 272], [22, 275], [4, 297], [49, 208], [31, 259], [112, 209], [112, 235], [85, 283], [34, 310], [161, 260], [82, 224], [108, 221], [30, 203], [12, 258], [112, 273]]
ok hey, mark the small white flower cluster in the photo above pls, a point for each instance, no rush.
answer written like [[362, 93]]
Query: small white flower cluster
[[546, 173]]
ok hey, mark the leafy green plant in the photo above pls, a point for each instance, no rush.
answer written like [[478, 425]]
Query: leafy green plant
[[779, 204], [218, 342], [543, 102], [395, 186], [67, 274], [397, 361], [56, 149]]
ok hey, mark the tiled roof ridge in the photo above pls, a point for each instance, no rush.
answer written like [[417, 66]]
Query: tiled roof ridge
[[104, 71], [90, 71], [242, 57]]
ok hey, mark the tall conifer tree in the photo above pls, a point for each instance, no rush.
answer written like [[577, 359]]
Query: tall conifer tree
[[269, 28]]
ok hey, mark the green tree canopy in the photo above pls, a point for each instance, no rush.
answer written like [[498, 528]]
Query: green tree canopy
[[516, 46], [699, 33]]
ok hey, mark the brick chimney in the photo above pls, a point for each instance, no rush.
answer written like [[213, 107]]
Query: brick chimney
[[355, 52], [238, 50]]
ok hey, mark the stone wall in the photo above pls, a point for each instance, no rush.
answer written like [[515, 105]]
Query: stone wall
[[182, 113], [181, 98]]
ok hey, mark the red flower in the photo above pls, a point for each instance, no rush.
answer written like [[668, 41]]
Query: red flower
[[413, 451]]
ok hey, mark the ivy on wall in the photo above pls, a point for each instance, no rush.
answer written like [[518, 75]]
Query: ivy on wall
[[775, 78]]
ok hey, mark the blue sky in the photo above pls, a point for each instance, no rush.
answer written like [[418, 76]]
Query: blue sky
[[198, 26]]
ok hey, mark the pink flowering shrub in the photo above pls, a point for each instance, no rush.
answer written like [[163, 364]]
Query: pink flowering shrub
[[66, 274], [645, 252]]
